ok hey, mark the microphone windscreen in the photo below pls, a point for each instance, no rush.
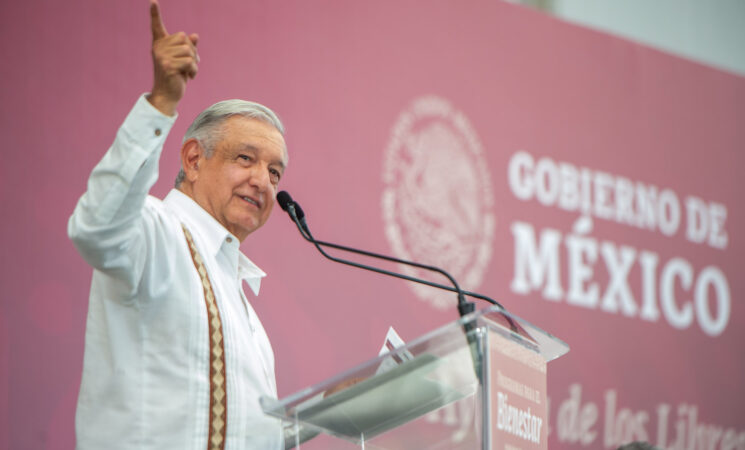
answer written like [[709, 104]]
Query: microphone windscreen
[[284, 200]]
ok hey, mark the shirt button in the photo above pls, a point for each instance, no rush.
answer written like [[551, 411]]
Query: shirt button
[[229, 239], [157, 132]]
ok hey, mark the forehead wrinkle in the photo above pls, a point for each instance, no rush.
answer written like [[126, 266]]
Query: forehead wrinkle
[[269, 138]]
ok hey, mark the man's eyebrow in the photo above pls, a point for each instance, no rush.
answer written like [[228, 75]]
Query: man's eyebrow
[[252, 148], [244, 147], [281, 164]]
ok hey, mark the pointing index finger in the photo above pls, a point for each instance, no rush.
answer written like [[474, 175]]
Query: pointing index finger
[[156, 22]]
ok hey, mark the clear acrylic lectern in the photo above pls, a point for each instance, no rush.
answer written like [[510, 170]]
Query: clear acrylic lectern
[[476, 383]]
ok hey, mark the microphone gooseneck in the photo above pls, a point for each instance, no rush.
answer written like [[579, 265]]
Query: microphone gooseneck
[[297, 215]]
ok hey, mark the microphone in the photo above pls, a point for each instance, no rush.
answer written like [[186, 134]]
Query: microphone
[[298, 216], [295, 211]]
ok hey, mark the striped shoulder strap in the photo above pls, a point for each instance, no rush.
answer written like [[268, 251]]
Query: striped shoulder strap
[[218, 389]]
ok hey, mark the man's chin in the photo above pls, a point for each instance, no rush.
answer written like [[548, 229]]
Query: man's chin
[[244, 228]]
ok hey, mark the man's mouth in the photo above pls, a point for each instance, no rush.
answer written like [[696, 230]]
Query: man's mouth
[[251, 201]]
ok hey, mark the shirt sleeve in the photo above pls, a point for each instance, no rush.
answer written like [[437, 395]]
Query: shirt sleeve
[[106, 226]]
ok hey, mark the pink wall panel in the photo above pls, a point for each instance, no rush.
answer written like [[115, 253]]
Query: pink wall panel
[[348, 79]]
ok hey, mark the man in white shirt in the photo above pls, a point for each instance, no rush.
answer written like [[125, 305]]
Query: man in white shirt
[[175, 357]]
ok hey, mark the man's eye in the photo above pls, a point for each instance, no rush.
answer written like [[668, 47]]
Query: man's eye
[[244, 157], [275, 175]]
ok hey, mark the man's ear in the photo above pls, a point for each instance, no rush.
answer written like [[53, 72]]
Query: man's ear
[[192, 154]]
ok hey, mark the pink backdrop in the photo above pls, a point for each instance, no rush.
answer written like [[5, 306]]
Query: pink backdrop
[[654, 318]]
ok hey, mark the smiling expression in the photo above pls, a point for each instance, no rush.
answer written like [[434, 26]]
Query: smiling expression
[[237, 185]]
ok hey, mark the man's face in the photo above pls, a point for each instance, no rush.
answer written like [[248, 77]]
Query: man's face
[[237, 185]]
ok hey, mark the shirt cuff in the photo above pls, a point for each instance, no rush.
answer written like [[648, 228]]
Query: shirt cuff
[[146, 117]]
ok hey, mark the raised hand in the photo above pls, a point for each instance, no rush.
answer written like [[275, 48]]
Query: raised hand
[[175, 61]]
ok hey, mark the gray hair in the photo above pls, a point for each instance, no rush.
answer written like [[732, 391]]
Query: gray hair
[[206, 128]]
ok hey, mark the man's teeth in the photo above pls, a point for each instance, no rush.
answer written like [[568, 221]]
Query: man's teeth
[[250, 201]]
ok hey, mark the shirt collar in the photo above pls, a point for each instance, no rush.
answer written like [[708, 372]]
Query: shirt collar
[[213, 236]]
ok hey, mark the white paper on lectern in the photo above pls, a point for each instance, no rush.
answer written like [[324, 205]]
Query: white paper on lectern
[[392, 342]]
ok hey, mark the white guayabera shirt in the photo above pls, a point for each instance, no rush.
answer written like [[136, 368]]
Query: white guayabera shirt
[[145, 381]]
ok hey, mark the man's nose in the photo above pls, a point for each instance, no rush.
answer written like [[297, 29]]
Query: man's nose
[[260, 179]]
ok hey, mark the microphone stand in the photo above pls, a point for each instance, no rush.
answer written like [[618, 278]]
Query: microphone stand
[[298, 217]]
